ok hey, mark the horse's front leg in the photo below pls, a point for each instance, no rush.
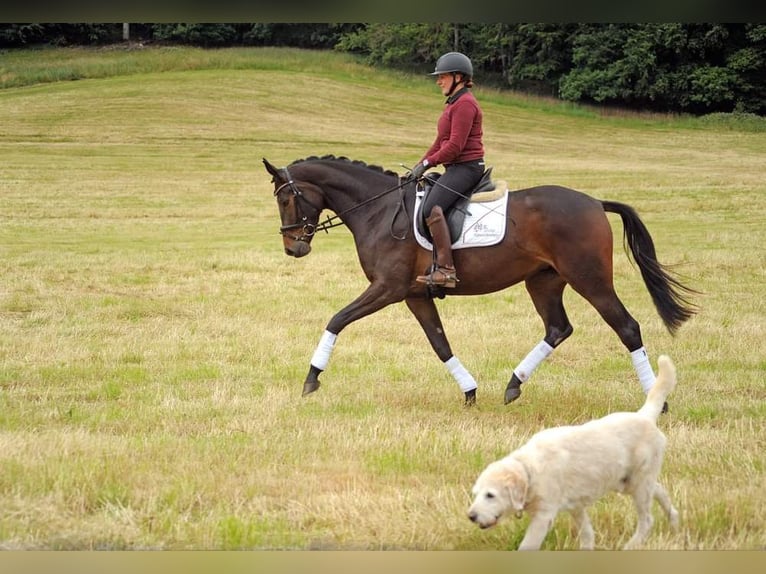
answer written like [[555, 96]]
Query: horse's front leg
[[428, 316], [373, 299], [546, 289]]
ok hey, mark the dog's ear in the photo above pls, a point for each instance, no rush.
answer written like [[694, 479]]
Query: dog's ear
[[516, 484]]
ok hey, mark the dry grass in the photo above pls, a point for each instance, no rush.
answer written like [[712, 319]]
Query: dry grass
[[154, 338]]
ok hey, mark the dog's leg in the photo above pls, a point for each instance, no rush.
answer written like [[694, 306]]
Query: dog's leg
[[537, 530], [584, 528], [664, 499], [642, 497]]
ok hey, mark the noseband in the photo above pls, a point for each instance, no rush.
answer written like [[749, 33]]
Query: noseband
[[307, 228]]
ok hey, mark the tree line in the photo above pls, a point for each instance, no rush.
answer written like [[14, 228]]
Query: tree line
[[694, 68]]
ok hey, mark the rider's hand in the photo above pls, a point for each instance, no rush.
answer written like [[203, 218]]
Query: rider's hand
[[419, 169]]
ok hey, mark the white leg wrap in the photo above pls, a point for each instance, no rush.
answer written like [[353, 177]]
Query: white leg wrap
[[536, 356], [462, 376], [643, 368], [323, 351]]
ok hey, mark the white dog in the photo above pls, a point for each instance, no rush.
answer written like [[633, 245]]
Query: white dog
[[570, 467]]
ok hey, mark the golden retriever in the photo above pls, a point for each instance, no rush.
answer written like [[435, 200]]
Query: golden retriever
[[570, 467]]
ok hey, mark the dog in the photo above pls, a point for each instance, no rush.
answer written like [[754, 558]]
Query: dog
[[571, 467]]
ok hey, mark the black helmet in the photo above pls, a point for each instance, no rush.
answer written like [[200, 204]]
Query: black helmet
[[453, 62]]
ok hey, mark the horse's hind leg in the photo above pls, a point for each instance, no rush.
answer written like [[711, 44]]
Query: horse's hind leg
[[546, 289], [428, 316], [628, 330], [599, 291]]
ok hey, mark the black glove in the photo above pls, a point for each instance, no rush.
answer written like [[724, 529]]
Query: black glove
[[418, 170]]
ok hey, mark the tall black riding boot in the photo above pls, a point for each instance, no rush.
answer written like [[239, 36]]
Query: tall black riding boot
[[445, 274]]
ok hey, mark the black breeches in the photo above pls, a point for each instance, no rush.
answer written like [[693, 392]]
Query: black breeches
[[456, 181]]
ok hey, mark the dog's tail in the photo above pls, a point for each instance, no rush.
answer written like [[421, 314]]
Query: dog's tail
[[663, 385]]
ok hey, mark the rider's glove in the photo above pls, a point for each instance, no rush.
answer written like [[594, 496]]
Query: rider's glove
[[419, 169]]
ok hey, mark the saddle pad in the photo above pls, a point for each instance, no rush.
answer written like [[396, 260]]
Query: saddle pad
[[484, 224]]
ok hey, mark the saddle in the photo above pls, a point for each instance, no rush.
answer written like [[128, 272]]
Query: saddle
[[456, 214]]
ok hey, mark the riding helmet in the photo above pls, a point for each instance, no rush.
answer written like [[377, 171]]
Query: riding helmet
[[453, 62]]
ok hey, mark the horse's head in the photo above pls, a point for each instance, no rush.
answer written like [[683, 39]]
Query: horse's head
[[299, 209]]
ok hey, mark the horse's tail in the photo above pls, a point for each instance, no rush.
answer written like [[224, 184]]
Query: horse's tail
[[669, 295]]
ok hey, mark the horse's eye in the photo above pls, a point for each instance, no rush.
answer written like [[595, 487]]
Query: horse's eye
[[490, 495]]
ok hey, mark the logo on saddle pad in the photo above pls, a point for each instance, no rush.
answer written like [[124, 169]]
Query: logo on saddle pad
[[477, 221]]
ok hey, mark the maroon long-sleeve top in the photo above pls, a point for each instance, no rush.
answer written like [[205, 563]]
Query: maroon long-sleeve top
[[458, 132]]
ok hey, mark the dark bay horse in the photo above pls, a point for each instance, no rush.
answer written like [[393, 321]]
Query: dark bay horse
[[554, 237]]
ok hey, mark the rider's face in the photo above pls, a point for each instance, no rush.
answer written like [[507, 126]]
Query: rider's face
[[444, 81]]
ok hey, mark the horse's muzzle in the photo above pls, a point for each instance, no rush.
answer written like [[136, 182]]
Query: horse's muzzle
[[298, 249]]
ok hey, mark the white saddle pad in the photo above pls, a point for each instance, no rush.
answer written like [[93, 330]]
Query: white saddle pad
[[484, 223]]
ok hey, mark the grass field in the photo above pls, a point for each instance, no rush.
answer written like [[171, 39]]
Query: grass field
[[154, 337]]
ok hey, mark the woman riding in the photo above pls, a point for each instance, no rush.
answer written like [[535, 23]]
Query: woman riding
[[459, 148]]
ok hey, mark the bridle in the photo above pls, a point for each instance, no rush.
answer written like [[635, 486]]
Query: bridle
[[308, 229]]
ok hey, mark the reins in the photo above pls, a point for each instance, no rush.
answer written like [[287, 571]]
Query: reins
[[336, 220], [310, 229]]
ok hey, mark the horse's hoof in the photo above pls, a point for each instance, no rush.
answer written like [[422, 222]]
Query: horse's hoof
[[512, 393], [309, 387], [664, 407], [470, 398]]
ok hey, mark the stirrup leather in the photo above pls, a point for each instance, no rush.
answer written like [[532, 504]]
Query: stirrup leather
[[441, 276]]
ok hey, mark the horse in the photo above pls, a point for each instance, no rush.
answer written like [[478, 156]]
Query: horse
[[555, 236]]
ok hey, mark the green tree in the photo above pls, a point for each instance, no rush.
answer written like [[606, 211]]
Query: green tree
[[17, 35], [399, 45], [323, 36], [205, 35], [696, 68], [537, 55]]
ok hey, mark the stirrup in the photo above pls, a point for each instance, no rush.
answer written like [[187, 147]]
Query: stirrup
[[441, 277]]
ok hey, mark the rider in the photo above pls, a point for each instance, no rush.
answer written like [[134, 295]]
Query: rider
[[458, 146]]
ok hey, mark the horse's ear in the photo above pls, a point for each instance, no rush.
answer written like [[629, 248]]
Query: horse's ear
[[272, 170]]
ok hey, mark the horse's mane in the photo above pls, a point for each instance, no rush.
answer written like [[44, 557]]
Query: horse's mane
[[355, 162]]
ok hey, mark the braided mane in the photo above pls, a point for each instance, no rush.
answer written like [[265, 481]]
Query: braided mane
[[331, 157]]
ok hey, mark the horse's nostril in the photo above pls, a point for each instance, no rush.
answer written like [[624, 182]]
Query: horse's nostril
[[472, 516]]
